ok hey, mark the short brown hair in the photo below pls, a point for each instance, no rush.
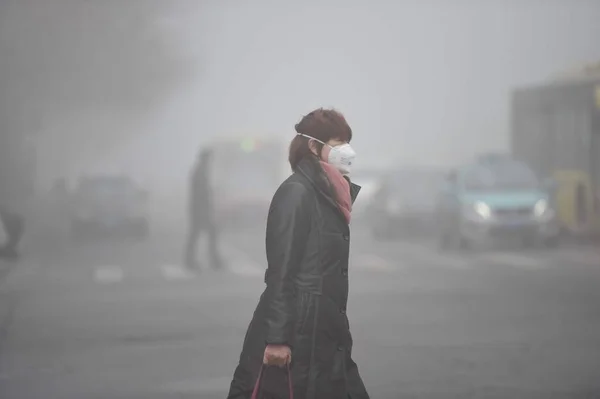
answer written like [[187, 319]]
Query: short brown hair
[[322, 124]]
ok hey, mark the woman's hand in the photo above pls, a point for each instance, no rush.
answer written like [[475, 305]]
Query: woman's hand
[[277, 355]]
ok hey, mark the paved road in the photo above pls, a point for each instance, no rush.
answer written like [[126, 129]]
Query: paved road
[[124, 320]]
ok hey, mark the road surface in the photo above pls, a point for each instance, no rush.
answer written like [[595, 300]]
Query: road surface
[[124, 320]]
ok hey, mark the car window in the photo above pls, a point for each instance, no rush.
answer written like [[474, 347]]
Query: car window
[[500, 176]]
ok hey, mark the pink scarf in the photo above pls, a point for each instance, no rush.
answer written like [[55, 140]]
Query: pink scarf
[[341, 187]]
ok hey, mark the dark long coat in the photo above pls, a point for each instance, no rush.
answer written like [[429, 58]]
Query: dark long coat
[[304, 303]]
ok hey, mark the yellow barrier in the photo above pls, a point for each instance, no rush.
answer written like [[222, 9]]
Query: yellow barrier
[[576, 202]]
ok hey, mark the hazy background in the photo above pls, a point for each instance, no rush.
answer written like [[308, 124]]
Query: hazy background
[[420, 82], [137, 86]]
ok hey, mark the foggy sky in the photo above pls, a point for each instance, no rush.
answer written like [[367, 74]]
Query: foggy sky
[[419, 81]]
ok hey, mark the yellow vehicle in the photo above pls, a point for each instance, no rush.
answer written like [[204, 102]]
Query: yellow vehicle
[[556, 130], [577, 203]]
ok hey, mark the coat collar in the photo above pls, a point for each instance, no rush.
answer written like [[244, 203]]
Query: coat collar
[[354, 189], [311, 170]]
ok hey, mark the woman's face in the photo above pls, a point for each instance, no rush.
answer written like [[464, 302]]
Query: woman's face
[[326, 148]]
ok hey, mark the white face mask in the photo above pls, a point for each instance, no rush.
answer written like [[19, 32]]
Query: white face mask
[[341, 156]]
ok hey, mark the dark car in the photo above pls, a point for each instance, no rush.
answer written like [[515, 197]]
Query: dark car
[[404, 204], [109, 204]]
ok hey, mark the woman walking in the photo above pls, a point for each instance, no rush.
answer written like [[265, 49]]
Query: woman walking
[[300, 324]]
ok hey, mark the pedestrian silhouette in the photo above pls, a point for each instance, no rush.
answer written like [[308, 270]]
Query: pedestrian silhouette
[[201, 218]]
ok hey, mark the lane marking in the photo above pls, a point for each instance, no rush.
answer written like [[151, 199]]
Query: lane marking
[[108, 274], [513, 260], [175, 272]]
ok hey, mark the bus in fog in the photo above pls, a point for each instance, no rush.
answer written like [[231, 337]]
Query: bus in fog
[[246, 171]]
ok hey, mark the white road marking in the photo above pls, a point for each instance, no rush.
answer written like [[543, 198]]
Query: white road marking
[[175, 272], [513, 260], [108, 274]]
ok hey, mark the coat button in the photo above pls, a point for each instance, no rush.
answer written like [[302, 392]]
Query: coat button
[[340, 348], [343, 311], [344, 272], [346, 237]]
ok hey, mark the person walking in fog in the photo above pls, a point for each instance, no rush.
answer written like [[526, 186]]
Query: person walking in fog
[[201, 214], [300, 332]]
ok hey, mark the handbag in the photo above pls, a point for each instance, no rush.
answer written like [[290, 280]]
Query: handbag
[[259, 380]]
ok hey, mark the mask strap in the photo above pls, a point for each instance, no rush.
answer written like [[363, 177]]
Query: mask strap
[[310, 137]]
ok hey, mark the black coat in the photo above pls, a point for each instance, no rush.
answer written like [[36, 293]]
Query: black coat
[[304, 303]]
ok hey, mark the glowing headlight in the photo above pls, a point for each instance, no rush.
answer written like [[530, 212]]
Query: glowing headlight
[[541, 208], [482, 209]]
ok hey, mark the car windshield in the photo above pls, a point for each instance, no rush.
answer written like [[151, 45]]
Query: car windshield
[[501, 176]]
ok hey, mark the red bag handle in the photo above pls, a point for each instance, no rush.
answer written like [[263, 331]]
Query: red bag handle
[[259, 378]]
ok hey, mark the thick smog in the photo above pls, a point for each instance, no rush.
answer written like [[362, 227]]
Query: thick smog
[[313, 200]]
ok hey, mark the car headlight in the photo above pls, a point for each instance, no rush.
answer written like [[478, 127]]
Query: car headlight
[[542, 209], [482, 209]]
